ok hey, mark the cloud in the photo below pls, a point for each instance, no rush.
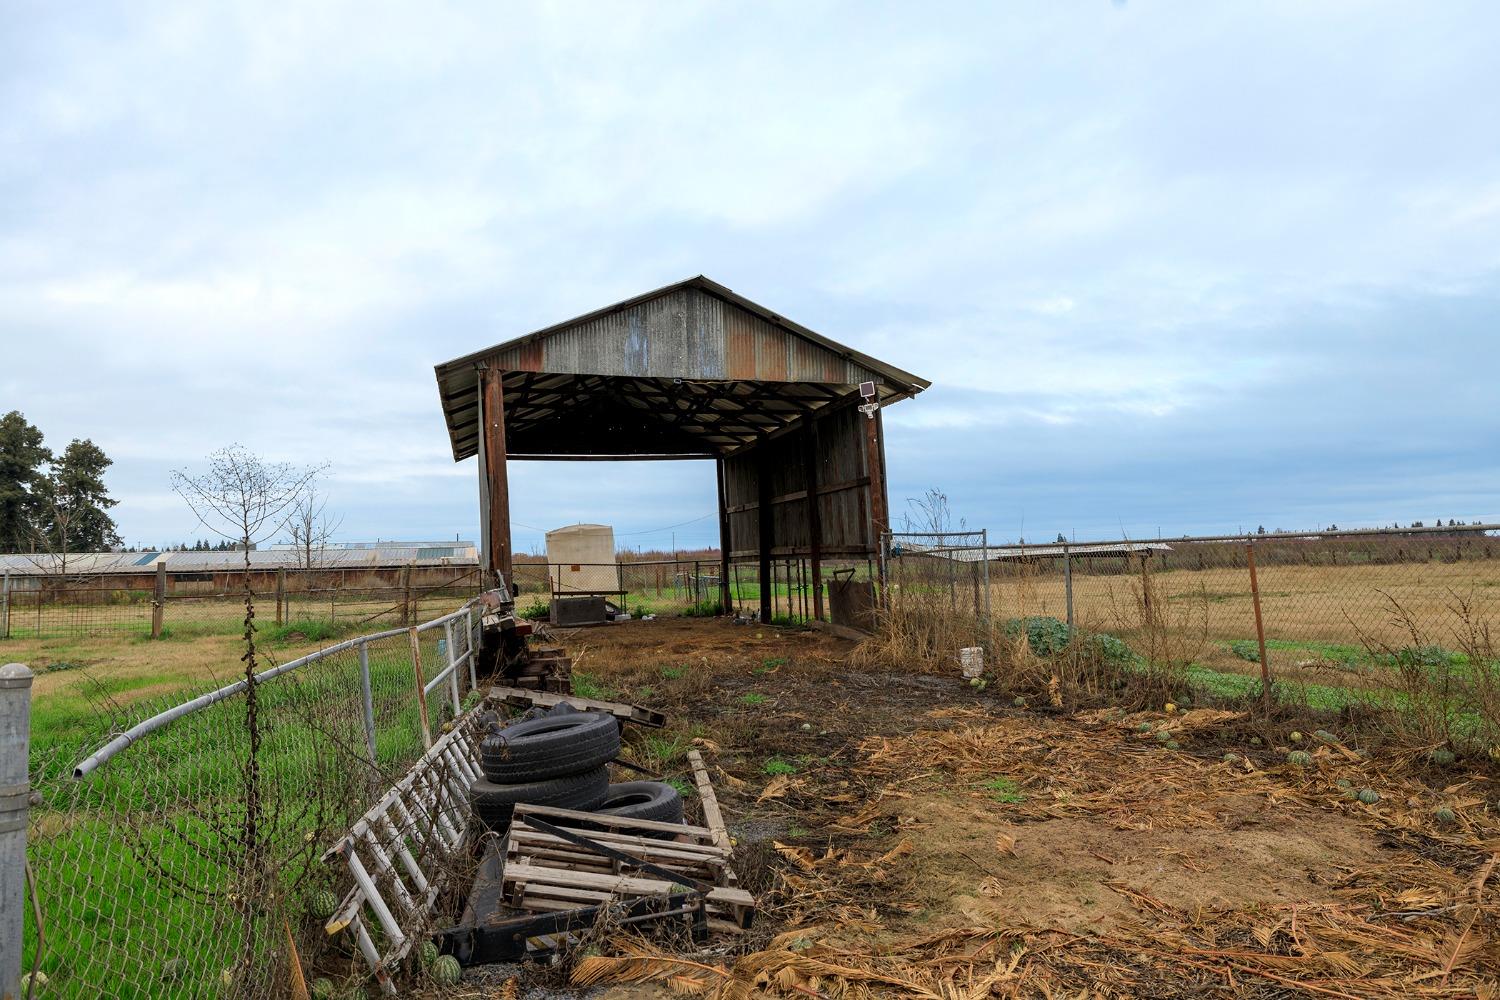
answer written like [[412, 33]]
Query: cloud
[[1149, 254]]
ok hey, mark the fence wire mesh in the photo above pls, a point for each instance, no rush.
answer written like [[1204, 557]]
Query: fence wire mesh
[[188, 863], [99, 605], [1402, 619]]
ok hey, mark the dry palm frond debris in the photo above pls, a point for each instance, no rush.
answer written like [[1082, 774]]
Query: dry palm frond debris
[[1117, 766], [1423, 924]]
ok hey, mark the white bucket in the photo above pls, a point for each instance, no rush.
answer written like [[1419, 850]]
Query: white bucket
[[971, 661]]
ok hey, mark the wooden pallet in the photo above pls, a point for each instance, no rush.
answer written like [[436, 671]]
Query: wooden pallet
[[548, 872]]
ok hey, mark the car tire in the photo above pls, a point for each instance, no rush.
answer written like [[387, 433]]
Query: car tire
[[493, 804], [653, 800], [550, 747]]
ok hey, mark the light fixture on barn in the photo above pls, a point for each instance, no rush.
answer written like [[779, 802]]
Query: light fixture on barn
[[871, 404]]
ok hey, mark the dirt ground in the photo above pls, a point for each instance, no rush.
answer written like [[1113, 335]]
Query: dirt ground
[[909, 836]]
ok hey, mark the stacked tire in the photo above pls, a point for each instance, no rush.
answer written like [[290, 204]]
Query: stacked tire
[[558, 759]]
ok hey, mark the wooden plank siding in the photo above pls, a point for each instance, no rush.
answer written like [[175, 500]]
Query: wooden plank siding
[[843, 496]]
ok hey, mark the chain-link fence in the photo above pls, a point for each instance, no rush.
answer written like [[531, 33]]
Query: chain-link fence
[[106, 605], [176, 850], [1335, 619]]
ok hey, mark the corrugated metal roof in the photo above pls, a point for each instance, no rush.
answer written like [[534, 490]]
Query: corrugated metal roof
[[1001, 553], [690, 343], [90, 563]]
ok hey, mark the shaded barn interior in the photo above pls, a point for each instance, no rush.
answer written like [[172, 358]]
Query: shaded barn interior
[[791, 419]]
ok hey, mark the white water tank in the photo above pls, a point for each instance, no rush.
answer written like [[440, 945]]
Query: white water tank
[[581, 560]]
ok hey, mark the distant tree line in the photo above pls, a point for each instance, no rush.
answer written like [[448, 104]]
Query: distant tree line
[[52, 504], [201, 545]]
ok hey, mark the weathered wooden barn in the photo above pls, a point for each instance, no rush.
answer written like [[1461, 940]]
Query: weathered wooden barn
[[791, 419]]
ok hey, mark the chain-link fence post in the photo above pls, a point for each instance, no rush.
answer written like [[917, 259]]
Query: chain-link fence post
[[15, 731], [368, 698]]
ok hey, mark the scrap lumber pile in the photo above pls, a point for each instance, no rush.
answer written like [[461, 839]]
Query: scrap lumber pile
[[541, 668], [553, 863], [556, 873]]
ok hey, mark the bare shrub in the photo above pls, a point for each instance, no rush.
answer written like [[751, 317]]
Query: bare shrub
[[1168, 633]]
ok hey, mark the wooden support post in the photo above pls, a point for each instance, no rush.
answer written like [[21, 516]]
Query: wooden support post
[[416, 666], [726, 601], [880, 522], [1260, 633], [493, 442], [158, 600], [764, 514], [282, 611], [810, 461]]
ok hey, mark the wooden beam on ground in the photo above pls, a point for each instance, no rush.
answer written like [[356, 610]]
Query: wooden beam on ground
[[712, 818], [842, 631], [526, 698]]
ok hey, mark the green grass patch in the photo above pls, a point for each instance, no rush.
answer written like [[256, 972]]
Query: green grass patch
[[771, 664], [778, 765], [309, 630], [587, 686], [753, 698], [1003, 789], [683, 788], [665, 750], [673, 673]]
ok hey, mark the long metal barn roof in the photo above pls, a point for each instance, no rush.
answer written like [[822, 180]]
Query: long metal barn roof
[[689, 370]]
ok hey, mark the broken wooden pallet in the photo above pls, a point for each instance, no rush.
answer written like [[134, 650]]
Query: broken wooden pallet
[[556, 859], [524, 698]]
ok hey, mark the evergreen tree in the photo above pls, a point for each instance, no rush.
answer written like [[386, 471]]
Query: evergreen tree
[[75, 502], [21, 459]]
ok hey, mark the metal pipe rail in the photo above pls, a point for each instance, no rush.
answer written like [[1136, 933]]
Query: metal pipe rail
[[101, 756]]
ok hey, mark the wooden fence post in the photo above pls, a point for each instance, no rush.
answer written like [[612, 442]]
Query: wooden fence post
[[281, 608], [1260, 633], [416, 666], [406, 609], [159, 600], [1068, 584], [5, 606]]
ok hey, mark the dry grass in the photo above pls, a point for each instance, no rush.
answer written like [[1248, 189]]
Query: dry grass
[[1298, 603]]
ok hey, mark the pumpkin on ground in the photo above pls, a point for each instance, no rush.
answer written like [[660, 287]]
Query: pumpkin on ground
[[1369, 796]]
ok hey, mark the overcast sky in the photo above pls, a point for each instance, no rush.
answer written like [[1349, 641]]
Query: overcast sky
[[1170, 266]]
